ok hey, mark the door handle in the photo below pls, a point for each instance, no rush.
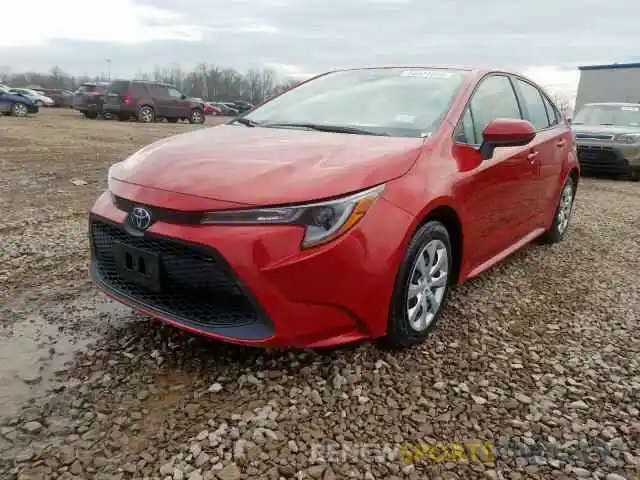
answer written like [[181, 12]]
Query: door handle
[[532, 156], [561, 143]]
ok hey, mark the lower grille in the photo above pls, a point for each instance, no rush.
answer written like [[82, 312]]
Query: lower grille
[[601, 159], [195, 287]]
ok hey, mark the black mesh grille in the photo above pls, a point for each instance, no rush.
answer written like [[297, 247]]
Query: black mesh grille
[[601, 159], [195, 286]]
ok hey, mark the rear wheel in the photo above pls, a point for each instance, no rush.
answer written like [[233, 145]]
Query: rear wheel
[[146, 114], [421, 286], [562, 214], [196, 116], [19, 109]]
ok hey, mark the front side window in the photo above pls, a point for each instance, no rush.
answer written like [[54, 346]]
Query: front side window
[[395, 101], [174, 93], [494, 98], [616, 115]]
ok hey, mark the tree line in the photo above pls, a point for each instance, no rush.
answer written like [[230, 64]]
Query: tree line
[[210, 82]]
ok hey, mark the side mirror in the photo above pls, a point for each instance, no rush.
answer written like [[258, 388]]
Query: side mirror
[[505, 132], [183, 97], [569, 120]]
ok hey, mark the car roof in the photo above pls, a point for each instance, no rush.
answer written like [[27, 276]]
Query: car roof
[[613, 104]]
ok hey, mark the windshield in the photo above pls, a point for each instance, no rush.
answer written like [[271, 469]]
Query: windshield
[[618, 115], [394, 101]]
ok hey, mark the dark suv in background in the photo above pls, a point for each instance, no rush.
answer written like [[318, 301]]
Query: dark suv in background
[[148, 101], [88, 98]]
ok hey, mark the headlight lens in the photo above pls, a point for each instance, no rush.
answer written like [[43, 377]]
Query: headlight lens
[[629, 138], [322, 222]]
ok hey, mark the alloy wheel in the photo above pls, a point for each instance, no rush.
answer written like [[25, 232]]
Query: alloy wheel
[[427, 285], [20, 110], [146, 115], [196, 116], [566, 204]]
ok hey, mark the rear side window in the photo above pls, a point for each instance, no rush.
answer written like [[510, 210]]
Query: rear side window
[[535, 110], [551, 111], [159, 91]]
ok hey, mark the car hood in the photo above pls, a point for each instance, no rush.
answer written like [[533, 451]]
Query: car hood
[[603, 129], [267, 166]]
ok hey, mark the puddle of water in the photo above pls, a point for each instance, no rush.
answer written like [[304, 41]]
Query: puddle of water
[[31, 352]]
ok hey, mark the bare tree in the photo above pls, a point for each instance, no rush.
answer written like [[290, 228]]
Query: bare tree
[[563, 103]]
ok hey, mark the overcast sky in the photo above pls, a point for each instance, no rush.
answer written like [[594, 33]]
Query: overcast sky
[[545, 39]]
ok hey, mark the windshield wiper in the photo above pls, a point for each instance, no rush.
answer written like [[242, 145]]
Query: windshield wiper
[[326, 128], [245, 121], [608, 124]]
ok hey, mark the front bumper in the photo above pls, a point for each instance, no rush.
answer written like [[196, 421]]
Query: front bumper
[[252, 284], [608, 158]]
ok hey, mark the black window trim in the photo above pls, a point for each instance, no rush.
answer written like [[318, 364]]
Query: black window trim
[[468, 104], [542, 96]]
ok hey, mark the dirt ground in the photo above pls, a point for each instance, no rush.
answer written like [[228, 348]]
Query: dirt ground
[[542, 351]]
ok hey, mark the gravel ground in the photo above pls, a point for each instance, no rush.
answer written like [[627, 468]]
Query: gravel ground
[[542, 351]]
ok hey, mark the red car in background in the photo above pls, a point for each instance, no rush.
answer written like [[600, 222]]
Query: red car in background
[[341, 210], [211, 109]]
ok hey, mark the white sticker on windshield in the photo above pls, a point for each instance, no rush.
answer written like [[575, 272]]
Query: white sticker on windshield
[[426, 74], [405, 118], [630, 109]]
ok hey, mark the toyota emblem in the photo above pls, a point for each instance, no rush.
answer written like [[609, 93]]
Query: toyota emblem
[[140, 218]]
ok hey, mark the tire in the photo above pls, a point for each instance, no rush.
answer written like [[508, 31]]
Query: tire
[[172, 120], [196, 116], [91, 115], [19, 109], [432, 245], [146, 114], [562, 214]]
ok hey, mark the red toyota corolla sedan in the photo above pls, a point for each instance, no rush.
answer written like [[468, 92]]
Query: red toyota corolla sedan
[[341, 210]]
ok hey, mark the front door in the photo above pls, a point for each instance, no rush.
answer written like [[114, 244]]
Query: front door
[[180, 105], [498, 192]]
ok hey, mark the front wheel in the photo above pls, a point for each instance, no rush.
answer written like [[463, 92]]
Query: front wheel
[[421, 286], [196, 116], [19, 109], [560, 224]]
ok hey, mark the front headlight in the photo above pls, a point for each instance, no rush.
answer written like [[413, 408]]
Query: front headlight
[[629, 138], [322, 221]]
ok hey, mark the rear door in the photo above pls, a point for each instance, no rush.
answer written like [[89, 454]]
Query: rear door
[[547, 148], [162, 100]]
